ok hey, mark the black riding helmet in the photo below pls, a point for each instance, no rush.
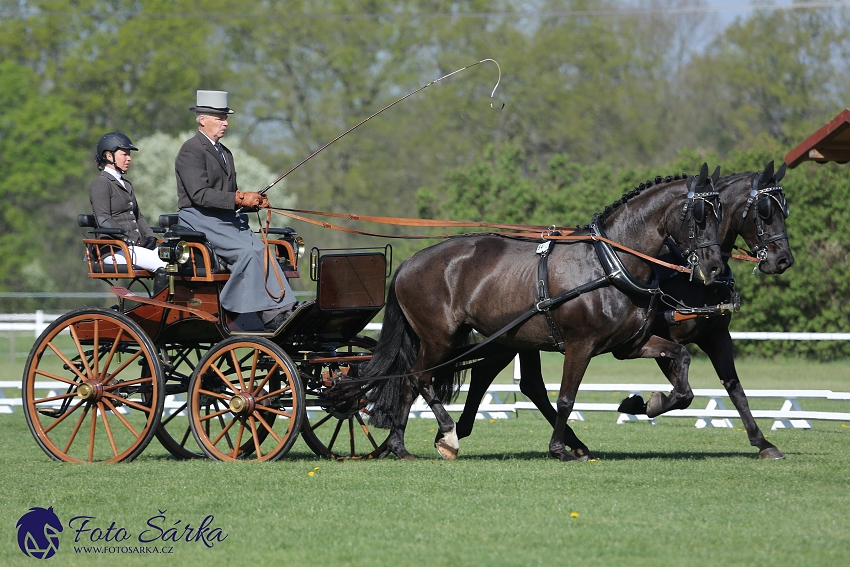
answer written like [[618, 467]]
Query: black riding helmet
[[111, 142]]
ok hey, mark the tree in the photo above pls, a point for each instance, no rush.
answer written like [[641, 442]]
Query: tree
[[40, 158]]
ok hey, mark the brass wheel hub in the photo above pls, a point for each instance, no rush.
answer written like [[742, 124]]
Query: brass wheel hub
[[91, 391], [242, 404]]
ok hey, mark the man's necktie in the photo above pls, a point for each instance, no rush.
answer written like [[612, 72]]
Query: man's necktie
[[221, 154]]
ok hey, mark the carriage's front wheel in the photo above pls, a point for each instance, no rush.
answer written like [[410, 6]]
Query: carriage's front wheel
[[339, 433], [93, 388], [245, 401]]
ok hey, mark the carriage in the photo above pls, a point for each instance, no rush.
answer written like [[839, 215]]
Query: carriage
[[167, 361]]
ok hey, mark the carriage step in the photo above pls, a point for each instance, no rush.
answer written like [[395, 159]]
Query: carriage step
[[51, 412]]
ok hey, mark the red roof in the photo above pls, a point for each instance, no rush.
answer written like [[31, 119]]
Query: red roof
[[830, 143]]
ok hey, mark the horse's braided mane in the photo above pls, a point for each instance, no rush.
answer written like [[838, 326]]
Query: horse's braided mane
[[635, 192]]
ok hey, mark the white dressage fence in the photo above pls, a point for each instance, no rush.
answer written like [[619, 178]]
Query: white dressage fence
[[495, 404]]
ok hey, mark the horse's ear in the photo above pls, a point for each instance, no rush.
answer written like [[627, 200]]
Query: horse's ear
[[703, 174], [780, 173], [767, 174], [715, 176]]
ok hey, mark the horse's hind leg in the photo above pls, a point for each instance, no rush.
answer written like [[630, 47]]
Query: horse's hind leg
[[674, 360], [718, 347]]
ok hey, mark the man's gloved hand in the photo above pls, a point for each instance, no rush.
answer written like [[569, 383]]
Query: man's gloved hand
[[148, 242], [249, 200], [265, 203]]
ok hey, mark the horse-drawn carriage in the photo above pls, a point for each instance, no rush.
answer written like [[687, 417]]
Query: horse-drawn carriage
[[169, 362]]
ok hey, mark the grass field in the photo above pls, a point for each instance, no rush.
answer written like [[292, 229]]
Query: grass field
[[668, 494]]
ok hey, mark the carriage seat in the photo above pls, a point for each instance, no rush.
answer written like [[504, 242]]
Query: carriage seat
[[107, 242], [203, 261]]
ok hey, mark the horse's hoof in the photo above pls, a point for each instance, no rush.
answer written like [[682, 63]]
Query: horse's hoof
[[633, 405], [582, 454], [407, 457], [445, 450], [771, 453], [655, 405], [563, 456]]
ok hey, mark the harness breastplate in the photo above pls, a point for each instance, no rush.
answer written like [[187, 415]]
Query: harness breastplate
[[617, 272]]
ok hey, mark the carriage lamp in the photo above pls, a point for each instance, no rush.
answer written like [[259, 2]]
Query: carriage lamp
[[174, 252], [300, 248]]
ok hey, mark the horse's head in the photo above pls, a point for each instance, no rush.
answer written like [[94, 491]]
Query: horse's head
[[759, 209], [695, 225]]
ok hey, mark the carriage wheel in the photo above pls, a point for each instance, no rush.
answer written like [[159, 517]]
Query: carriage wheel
[[339, 434], [174, 432], [93, 388], [245, 401]]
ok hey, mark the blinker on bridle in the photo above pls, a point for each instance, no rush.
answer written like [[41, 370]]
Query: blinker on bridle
[[701, 192], [763, 198]]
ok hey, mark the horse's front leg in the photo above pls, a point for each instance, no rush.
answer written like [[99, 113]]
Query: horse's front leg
[[718, 347], [576, 359], [481, 376], [674, 360]]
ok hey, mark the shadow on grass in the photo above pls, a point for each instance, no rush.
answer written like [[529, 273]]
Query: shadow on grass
[[614, 456]]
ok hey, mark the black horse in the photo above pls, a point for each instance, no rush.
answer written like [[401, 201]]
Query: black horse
[[587, 298], [755, 208]]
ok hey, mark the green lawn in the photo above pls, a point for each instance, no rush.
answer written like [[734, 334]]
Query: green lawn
[[668, 494]]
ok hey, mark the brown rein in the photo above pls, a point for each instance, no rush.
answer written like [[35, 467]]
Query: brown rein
[[529, 231]]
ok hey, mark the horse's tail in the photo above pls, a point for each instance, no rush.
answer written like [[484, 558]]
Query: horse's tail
[[394, 355]]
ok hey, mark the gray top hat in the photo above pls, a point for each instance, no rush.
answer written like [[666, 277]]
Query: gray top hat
[[212, 101]]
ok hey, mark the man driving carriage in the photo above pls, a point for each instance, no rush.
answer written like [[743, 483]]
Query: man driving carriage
[[210, 202]]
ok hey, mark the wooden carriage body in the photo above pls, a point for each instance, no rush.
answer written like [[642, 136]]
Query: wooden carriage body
[[169, 362]]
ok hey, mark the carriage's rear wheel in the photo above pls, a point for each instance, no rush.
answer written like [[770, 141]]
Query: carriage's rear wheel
[[174, 432], [93, 388], [332, 432], [245, 401]]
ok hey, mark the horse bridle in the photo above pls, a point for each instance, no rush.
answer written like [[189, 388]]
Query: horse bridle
[[762, 199], [694, 213]]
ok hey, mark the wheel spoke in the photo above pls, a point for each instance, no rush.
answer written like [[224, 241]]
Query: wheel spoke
[[277, 411], [95, 356], [336, 432], [85, 362], [223, 432], [255, 436], [209, 416], [267, 426], [174, 414], [76, 426], [366, 430], [224, 378], [321, 422], [214, 395], [58, 378], [117, 414], [237, 367], [125, 401], [116, 385], [69, 364], [111, 354], [275, 393], [61, 418], [108, 378], [234, 451], [108, 431], [92, 433], [54, 398]]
